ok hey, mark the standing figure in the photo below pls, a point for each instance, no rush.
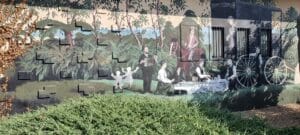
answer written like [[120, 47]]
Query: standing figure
[[259, 64], [128, 75], [70, 38], [200, 70], [118, 80], [146, 64], [164, 83], [192, 42], [230, 37], [231, 75], [174, 46]]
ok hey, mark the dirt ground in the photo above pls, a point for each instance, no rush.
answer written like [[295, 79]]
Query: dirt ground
[[281, 116]]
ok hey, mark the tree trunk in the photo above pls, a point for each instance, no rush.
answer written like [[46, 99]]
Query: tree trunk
[[298, 31], [158, 22], [154, 27], [130, 26]]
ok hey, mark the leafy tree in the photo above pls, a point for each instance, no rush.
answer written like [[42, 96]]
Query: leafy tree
[[15, 22], [291, 14], [289, 47], [66, 59]]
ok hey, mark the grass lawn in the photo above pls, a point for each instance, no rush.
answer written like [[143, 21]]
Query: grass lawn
[[68, 88], [126, 113]]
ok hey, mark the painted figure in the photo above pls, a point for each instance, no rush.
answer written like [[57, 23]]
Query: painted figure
[[200, 70], [192, 42], [230, 36], [164, 83], [128, 75], [118, 80], [70, 38], [231, 75], [297, 75], [259, 64], [184, 66], [146, 64], [174, 46]]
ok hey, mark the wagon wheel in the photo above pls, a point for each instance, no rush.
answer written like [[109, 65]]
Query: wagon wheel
[[246, 71], [275, 70]]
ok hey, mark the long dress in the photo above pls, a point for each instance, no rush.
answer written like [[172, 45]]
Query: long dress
[[191, 41]]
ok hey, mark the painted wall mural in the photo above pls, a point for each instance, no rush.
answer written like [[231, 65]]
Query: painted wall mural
[[156, 47]]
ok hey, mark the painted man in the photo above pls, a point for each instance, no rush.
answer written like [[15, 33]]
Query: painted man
[[146, 64], [259, 64], [231, 75]]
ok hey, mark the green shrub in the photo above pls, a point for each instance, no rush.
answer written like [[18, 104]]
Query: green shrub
[[114, 115], [243, 99], [131, 114], [291, 94]]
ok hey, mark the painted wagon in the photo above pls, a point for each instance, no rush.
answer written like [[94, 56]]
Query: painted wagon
[[274, 71]]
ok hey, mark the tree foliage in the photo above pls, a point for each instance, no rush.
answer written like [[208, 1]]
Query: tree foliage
[[16, 24], [291, 14]]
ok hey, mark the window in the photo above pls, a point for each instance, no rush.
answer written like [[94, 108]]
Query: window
[[243, 41], [217, 48], [266, 42]]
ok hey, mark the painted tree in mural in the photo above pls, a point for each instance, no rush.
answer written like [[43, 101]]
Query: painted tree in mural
[[298, 32], [64, 58], [69, 9], [17, 23], [154, 7], [291, 14]]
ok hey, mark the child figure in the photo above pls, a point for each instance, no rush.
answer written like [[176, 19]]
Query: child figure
[[119, 80], [128, 75]]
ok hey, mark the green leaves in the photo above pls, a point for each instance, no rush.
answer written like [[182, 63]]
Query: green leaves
[[133, 114]]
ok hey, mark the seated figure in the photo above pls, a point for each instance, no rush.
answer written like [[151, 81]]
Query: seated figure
[[164, 83], [201, 72]]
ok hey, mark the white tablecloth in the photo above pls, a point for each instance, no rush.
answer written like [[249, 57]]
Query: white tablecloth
[[209, 85]]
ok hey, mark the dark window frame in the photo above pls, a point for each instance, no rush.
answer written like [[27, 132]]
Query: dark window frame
[[222, 42], [269, 50], [247, 51]]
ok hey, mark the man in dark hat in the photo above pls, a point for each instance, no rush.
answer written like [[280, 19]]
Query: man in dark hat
[[146, 64]]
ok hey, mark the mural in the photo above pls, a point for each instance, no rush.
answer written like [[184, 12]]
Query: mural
[[163, 48]]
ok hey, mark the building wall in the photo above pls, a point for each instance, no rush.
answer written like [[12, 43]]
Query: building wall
[[102, 42]]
